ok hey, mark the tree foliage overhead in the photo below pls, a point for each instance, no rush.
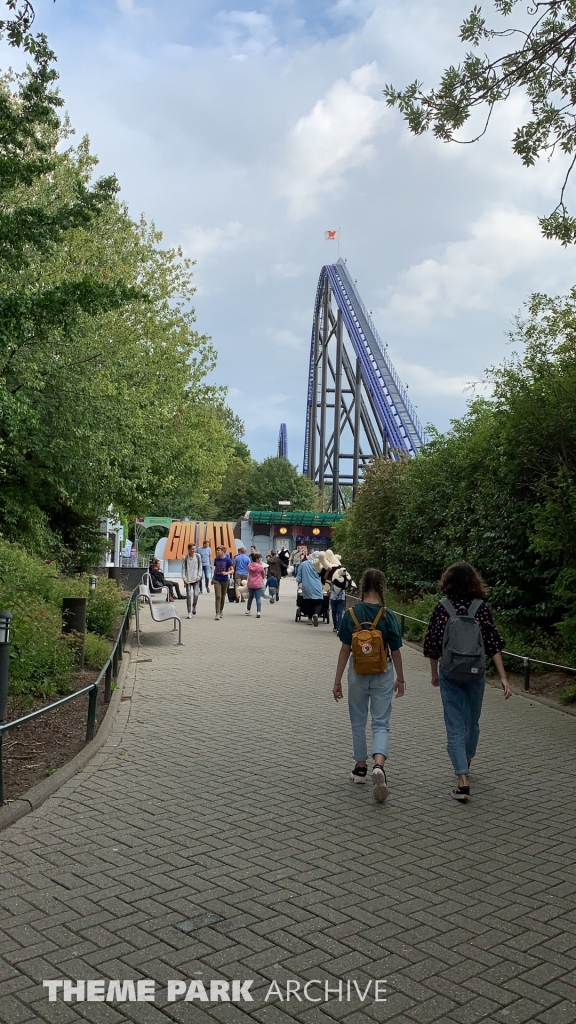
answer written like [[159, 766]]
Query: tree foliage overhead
[[103, 397], [261, 485], [540, 60], [498, 490]]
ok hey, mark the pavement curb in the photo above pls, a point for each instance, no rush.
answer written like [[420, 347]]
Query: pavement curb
[[36, 796]]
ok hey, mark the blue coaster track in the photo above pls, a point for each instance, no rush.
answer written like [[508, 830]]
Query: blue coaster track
[[387, 405]]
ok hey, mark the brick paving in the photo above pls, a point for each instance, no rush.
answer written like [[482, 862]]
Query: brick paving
[[216, 835]]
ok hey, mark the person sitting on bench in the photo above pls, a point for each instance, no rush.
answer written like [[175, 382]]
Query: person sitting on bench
[[159, 580]]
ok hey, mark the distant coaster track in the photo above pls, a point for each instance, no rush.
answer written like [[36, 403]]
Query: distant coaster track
[[353, 376], [283, 442]]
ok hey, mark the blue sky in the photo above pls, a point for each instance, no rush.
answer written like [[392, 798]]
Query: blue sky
[[245, 130]]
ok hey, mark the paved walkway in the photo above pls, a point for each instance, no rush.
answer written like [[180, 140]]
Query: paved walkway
[[216, 835]]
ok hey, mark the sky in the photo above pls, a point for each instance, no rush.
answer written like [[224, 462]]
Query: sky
[[246, 130]]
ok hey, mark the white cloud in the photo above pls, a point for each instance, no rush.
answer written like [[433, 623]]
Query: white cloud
[[205, 243], [333, 138], [427, 383], [246, 34], [470, 274], [286, 339]]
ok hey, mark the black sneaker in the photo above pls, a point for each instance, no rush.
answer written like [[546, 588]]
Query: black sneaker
[[462, 794], [359, 775], [380, 790]]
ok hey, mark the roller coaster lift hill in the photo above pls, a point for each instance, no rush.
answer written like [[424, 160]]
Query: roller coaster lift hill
[[357, 408]]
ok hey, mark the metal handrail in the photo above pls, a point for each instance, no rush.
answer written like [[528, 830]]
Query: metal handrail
[[108, 672], [524, 658]]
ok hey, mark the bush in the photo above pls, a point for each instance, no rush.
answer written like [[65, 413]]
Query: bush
[[42, 659], [96, 651]]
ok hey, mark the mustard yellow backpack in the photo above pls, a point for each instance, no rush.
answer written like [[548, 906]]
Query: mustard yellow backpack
[[369, 650]]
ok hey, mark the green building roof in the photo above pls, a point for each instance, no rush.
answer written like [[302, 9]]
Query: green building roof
[[295, 518]]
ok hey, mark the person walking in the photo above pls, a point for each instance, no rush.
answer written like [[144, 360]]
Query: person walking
[[312, 596], [460, 634], [192, 577], [223, 568], [206, 556], [241, 563], [371, 685], [275, 568], [296, 558], [256, 577], [337, 602]]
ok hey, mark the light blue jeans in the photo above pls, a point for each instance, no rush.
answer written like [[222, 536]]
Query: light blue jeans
[[254, 592], [462, 704], [374, 693]]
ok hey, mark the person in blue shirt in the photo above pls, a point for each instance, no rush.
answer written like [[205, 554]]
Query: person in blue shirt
[[206, 556], [272, 587], [241, 563], [312, 596], [223, 568]]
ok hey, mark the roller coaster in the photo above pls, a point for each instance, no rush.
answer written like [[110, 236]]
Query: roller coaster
[[351, 374]]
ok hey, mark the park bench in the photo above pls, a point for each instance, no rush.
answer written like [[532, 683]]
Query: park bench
[[159, 612], [147, 581]]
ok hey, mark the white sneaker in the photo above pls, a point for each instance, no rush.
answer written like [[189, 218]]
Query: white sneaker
[[380, 789], [217, 618], [257, 615], [247, 613], [189, 616]]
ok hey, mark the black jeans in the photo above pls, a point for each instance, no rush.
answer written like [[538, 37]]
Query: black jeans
[[171, 588]]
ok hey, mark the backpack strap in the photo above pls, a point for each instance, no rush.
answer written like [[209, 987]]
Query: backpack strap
[[449, 607], [475, 606], [354, 619]]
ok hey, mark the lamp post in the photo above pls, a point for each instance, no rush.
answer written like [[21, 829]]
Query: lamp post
[[92, 585]]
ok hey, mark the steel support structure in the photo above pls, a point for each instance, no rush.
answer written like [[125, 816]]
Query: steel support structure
[[357, 408], [283, 442]]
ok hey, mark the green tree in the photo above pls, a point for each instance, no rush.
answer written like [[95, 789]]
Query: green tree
[[103, 397], [543, 66], [277, 480]]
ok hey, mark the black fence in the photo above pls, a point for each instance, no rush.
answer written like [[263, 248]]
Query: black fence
[[108, 674], [526, 661]]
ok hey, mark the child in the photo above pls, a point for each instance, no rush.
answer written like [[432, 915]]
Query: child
[[272, 585]]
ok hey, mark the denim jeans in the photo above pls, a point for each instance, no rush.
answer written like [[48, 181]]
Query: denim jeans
[[192, 590], [462, 704], [206, 572], [374, 692], [337, 613], [254, 592]]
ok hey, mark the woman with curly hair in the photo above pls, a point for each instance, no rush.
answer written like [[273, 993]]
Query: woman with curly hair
[[464, 591], [370, 692]]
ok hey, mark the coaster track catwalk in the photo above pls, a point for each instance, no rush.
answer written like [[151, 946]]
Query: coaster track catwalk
[[353, 376]]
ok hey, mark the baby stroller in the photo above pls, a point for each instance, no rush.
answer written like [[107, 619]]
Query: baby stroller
[[309, 607]]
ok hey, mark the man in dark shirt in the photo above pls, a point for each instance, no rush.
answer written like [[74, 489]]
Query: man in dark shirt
[[223, 567]]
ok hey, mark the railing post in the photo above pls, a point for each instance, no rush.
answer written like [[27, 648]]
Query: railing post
[[526, 673], [402, 624], [108, 683], [92, 699], [115, 662], [5, 619]]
